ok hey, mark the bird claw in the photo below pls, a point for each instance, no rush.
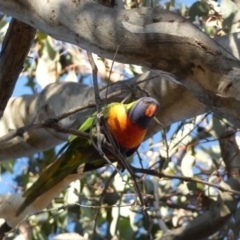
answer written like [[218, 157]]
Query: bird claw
[[99, 115]]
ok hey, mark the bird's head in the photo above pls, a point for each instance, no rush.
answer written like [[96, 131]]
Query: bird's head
[[143, 111]]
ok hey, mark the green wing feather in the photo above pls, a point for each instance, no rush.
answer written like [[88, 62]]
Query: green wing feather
[[55, 172], [79, 151], [105, 111], [91, 120], [129, 105]]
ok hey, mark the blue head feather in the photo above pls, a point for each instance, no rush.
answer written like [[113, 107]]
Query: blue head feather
[[137, 113]]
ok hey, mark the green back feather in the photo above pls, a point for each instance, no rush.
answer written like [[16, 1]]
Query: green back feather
[[79, 151]]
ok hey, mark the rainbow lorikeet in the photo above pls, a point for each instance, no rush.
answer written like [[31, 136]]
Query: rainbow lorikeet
[[127, 124]]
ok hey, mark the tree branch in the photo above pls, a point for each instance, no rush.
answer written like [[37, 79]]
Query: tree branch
[[15, 48], [191, 56], [58, 98]]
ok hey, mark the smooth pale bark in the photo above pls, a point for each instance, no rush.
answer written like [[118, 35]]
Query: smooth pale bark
[[151, 37], [177, 104], [9, 203]]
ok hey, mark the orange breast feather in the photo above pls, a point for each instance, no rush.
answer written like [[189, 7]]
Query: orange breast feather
[[127, 134]]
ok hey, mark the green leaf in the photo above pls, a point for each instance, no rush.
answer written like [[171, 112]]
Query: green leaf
[[210, 30], [228, 8], [182, 9], [198, 9], [193, 186], [173, 2], [50, 50], [125, 231], [7, 165], [3, 22], [230, 11], [38, 233], [62, 219], [41, 35]]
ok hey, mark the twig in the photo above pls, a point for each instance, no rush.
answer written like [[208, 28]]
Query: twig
[[115, 149], [99, 111], [46, 123], [15, 48], [122, 160], [187, 134], [95, 82], [102, 197], [127, 166], [156, 205], [140, 158], [182, 178], [119, 157], [164, 136], [115, 54], [75, 110]]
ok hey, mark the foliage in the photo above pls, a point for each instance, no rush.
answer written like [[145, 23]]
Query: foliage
[[190, 148]]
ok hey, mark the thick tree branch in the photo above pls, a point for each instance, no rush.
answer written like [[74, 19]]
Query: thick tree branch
[[9, 203], [15, 48], [181, 105], [150, 37], [59, 98]]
